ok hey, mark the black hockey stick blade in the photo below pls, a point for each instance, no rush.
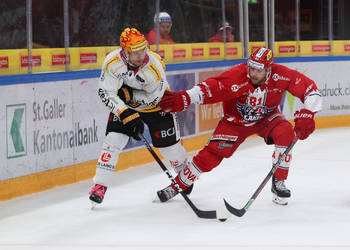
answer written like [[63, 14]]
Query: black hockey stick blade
[[210, 214], [242, 211], [235, 211]]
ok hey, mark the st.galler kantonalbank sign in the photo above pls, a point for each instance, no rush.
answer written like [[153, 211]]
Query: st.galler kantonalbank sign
[[16, 130]]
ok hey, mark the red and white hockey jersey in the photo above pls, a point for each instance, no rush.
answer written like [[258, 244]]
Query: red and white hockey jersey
[[245, 105]]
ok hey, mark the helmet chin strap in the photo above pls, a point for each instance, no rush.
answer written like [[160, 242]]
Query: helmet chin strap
[[267, 77], [268, 73]]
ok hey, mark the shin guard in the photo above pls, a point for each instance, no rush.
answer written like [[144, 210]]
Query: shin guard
[[188, 175], [282, 171], [282, 135], [176, 155], [112, 145]]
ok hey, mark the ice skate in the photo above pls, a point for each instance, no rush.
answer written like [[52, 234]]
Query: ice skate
[[97, 194], [281, 193], [166, 194]]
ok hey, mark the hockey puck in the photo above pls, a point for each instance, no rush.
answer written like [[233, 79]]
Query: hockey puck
[[222, 220]]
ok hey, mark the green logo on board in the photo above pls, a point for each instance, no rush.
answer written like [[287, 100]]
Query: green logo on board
[[16, 130]]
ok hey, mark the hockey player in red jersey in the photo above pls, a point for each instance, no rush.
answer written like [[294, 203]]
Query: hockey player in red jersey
[[251, 93]]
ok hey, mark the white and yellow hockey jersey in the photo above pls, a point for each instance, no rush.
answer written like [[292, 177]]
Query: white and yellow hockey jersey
[[148, 82]]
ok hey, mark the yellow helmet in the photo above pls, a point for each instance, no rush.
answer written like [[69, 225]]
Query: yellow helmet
[[132, 40]]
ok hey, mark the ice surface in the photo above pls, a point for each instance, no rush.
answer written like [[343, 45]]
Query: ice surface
[[317, 216]]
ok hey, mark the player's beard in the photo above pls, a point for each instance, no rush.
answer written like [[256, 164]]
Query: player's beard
[[256, 82]]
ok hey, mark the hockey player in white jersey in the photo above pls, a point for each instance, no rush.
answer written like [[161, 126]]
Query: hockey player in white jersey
[[131, 84]]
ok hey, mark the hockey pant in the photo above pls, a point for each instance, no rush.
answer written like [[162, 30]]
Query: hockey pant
[[227, 137], [164, 133]]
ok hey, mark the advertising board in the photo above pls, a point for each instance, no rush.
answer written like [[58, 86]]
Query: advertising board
[[53, 124], [49, 125]]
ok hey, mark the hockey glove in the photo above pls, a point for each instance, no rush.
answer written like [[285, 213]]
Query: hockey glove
[[175, 101], [304, 123], [132, 122], [125, 94]]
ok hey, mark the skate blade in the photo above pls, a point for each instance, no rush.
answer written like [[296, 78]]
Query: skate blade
[[279, 200]]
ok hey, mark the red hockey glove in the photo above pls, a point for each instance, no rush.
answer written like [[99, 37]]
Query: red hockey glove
[[175, 101], [304, 123]]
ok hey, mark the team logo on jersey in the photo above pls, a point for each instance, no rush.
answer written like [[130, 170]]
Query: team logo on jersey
[[254, 108]]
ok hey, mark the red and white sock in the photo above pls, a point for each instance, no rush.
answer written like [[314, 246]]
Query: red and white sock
[[188, 175], [282, 171]]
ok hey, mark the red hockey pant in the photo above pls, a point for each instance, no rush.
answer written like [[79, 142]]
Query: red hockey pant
[[227, 137]]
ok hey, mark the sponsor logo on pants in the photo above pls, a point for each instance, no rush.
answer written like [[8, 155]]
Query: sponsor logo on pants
[[165, 133], [106, 157]]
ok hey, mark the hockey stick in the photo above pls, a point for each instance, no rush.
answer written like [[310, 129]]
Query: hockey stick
[[212, 214], [242, 211]]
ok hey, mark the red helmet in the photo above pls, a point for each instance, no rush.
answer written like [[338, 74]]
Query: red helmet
[[132, 40], [261, 58]]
